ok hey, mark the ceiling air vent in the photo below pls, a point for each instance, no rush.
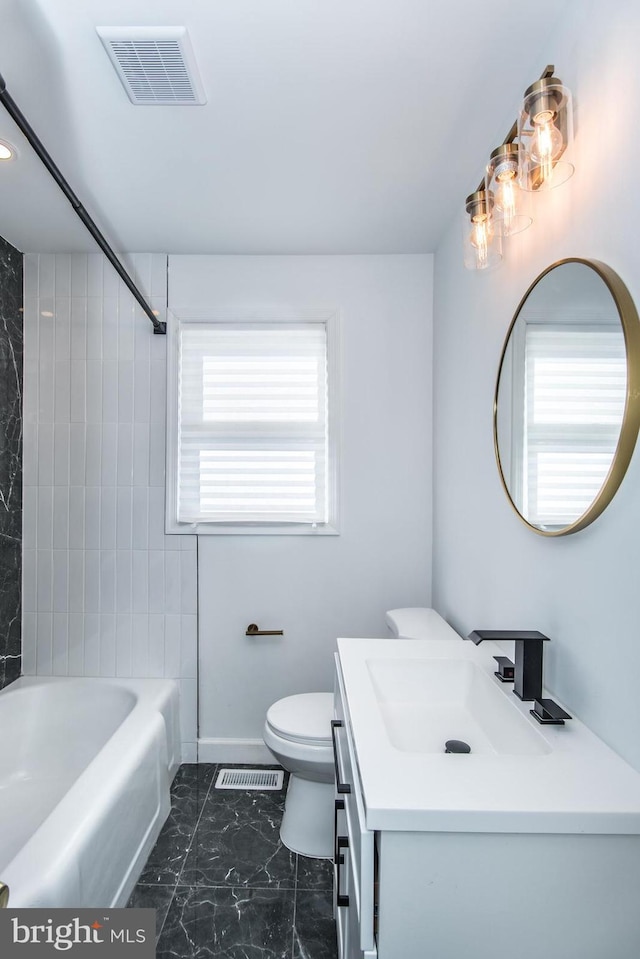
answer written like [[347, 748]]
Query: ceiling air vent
[[156, 65]]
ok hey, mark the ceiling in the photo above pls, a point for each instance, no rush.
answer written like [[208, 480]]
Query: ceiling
[[331, 126]]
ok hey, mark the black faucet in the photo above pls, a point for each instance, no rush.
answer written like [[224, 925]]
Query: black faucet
[[527, 672]]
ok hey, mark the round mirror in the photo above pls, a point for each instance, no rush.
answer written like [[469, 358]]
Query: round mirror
[[567, 402]]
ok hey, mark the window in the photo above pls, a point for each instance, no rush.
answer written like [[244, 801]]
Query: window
[[575, 390], [253, 450]]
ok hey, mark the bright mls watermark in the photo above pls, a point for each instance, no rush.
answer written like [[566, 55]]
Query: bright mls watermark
[[80, 933]]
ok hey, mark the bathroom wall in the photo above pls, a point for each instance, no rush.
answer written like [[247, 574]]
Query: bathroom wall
[[490, 571], [318, 588], [10, 461], [106, 593]]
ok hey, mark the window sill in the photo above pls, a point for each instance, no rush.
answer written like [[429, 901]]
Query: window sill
[[239, 529]]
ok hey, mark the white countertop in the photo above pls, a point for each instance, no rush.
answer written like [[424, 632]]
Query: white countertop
[[572, 784]]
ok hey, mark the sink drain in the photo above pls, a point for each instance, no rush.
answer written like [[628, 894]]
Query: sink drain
[[456, 746]]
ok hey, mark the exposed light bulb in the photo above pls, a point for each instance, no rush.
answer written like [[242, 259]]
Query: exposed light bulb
[[479, 240], [505, 199], [482, 248], [508, 215], [546, 143]]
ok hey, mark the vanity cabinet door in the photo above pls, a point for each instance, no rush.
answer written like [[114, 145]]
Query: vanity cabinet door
[[345, 896], [341, 890], [356, 870]]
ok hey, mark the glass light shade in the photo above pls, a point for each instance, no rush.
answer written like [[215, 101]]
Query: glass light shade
[[482, 245], [545, 134], [510, 213], [7, 151]]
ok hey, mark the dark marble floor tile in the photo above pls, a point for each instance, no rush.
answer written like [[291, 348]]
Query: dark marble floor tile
[[246, 804], [189, 791], [198, 775], [238, 888], [225, 807], [314, 873], [152, 897], [167, 857], [228, 923], [239, 854], [314, 931], [237, 842], [190, 788]]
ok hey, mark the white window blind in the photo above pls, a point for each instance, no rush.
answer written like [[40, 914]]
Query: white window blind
[[575, 395], [252, 423]]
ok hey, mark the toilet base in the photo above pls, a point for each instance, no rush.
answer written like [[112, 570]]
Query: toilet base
[[307, 824]]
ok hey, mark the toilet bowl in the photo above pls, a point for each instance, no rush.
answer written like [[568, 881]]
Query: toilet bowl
[[297, 731]]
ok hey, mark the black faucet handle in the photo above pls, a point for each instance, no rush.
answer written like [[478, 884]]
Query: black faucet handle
[[548, 713], [506, 669], [500, 635]]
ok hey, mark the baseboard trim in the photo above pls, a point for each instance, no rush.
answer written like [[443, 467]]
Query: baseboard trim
[[233, 751]]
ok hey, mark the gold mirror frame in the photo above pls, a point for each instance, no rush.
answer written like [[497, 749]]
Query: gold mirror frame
[[631, 417]]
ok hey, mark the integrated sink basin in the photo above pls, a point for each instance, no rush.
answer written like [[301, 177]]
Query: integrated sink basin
[[425, 703], [406, 698]]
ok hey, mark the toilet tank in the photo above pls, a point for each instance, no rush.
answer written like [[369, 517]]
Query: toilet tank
[[418, 622]]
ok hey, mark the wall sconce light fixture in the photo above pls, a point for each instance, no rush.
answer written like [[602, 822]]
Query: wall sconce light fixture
[[545, 130], [510, 206], [529, 160]]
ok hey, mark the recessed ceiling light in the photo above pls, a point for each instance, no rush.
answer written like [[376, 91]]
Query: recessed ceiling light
[[46, 313], [7, 150]]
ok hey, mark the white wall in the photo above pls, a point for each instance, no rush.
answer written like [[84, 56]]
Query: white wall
[[490, 571], [319, 588], [105, 592]]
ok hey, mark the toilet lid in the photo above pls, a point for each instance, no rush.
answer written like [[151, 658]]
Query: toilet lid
[[305, 718]]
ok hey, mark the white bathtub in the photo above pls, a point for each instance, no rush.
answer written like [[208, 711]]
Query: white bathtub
[[85, 770]]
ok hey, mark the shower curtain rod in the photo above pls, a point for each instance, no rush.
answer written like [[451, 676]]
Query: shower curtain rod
[[25, 127]]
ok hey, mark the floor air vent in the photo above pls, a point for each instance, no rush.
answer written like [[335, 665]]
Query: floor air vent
[[249, 779], [156, 65]]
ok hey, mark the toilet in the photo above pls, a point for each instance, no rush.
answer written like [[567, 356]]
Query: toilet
[[297, 731]]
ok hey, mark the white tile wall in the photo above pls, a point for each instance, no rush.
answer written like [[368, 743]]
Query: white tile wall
[[106, 592]]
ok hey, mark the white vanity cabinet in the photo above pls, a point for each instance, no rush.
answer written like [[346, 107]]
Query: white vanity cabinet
[[440, 882]]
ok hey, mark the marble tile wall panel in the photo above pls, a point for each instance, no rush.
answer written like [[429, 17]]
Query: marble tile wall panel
[[11, 314], [106, 592]]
